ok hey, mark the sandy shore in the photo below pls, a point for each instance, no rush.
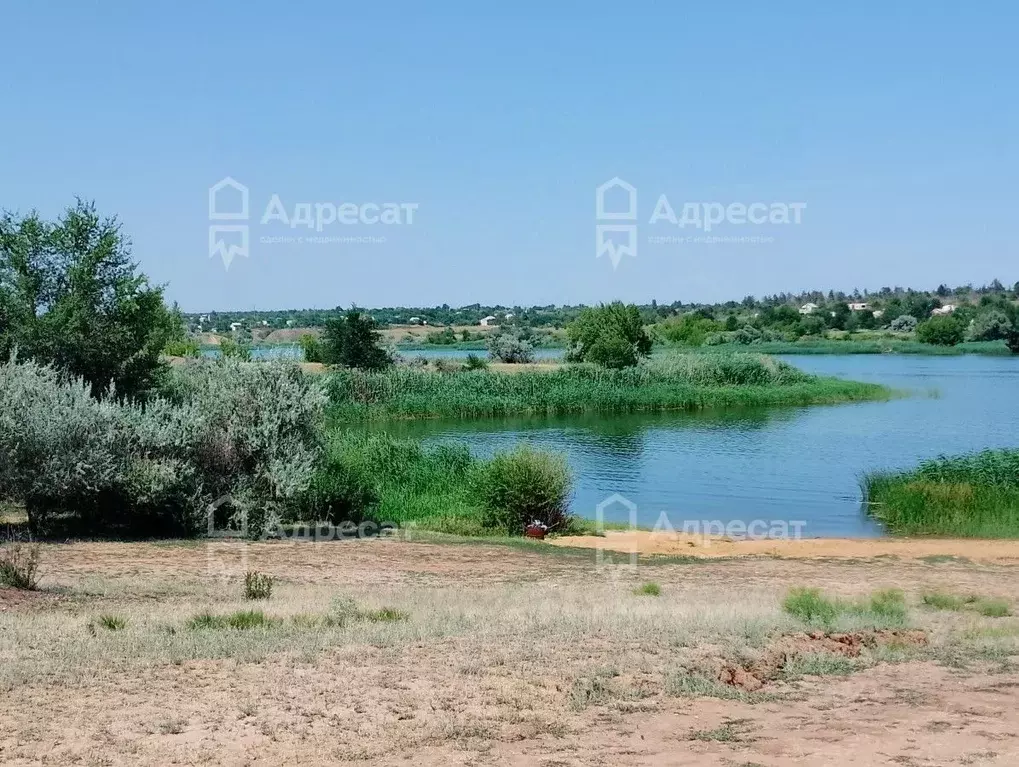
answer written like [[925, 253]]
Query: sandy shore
[[677, 544]]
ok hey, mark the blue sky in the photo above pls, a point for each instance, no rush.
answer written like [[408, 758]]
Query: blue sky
[[896, 124]]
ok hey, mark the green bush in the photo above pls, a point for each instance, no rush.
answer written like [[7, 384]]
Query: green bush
[[649, 589], [474, 362], [942, 330], [222, 430], [610, 335], [810, 606], [257, 585], [510, 348], [524, 486], [19, 566], [311, 348], [353, 341]]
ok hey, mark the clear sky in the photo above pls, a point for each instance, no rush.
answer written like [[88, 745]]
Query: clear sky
[[897, 124]]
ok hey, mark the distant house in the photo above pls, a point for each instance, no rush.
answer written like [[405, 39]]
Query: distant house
[[879, 313], [486, 321], [859, 307], [234, 327], [946, 309], [509, 315], [414, 321], [808, 308]]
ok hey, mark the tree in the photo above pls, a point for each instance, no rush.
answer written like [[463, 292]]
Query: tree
[[904, 323], [510, 347], [992, 325], [353, 341], [942, 330], [611, 335], [311, 347], [71, 296]]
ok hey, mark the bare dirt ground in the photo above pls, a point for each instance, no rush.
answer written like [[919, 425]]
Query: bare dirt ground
[[494, 654]]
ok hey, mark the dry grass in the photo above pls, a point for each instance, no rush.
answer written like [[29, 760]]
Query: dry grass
[[372, 651]]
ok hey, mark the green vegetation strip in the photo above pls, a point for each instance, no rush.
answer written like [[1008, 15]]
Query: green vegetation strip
[[970, 496], [672, 382]]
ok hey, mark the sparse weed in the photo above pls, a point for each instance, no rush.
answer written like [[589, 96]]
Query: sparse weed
[[819, 664], [240, 620], [810, 606], [989, 607], [731, 731], [19, 565], [257, 585], [649, 589], [112, 622]]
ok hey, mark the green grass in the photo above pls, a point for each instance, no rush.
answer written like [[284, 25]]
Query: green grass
[[649, 589], [112, 622], [819, 664], [989, 607], [882, 609], [240, 620], [664, 383], [971, 496]]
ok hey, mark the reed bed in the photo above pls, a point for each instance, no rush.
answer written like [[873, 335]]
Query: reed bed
[[974, 496], [670, 382]]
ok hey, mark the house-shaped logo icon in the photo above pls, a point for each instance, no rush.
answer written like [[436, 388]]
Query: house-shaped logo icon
[[228, 201], [602, 193]]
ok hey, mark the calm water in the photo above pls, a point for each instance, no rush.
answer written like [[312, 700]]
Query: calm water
[[776, 464]]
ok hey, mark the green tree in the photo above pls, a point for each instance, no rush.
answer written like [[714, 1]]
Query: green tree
[[942, 330], [311, 347], [353, 341], [70, 295], [611, 335]]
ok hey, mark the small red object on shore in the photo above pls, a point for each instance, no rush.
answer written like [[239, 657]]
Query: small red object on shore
[[536, 530]]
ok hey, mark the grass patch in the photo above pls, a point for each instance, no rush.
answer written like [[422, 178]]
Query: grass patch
[[649, 589], [940, 601], [593, 690], [257, 585], [993, 608], [687, 684], [882, 609], [667, 382], [112, 622], [241, 620], [19, 566], [819, 664], [969, 496]]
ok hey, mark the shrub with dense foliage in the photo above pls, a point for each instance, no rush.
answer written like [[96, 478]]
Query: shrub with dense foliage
[[70, 296], [507, 347], [353, 341], [942, 330], [610, 335], [904, 323], [526, 486], [242, 437]]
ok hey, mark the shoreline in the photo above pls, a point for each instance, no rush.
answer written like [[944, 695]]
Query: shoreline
[[646, 543]]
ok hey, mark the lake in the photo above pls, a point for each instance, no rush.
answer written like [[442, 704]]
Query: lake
[[792, 465]]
